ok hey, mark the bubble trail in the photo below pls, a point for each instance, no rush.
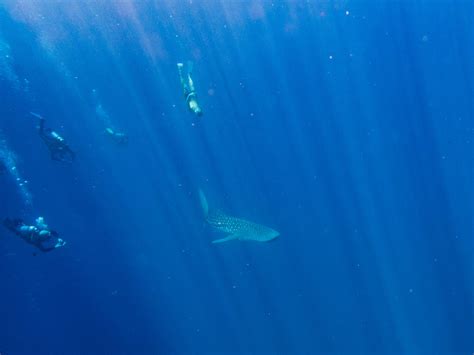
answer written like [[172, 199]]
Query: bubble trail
[[8, 159]]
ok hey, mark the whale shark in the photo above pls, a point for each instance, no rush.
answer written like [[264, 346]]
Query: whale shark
[[236, 228]]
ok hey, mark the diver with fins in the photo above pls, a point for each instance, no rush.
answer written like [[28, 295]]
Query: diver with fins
[[189, 91], [39, 235], [56, 144]]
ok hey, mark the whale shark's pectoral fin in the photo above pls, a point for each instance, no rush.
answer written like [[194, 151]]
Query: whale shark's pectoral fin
[[203, 201], [226, 239]]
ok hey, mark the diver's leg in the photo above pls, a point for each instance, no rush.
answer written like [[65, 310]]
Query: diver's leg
[[190, 79], [190, 83], [181, 78]]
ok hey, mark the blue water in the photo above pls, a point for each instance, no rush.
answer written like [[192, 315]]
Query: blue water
[[345, 125]]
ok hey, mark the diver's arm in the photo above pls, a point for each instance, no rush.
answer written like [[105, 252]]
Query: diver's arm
[[41, 126]]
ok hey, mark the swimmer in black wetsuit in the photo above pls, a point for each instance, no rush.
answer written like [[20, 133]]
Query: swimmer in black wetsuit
[[188, 89]]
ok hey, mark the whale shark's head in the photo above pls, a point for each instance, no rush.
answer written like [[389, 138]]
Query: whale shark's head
[[273, 234]]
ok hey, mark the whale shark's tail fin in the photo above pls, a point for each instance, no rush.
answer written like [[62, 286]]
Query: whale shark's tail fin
[[204, 205]]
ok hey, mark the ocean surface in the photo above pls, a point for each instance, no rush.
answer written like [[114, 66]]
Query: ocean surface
[[346, 126]]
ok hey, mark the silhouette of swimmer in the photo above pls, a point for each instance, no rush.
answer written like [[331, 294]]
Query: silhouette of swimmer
[[56, 144], [188, 89], [38, 235]]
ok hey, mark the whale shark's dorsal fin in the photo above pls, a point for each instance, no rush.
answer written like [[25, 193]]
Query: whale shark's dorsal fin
[[203, 201]]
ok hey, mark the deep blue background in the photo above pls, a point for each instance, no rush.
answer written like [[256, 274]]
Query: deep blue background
[[346, 125]]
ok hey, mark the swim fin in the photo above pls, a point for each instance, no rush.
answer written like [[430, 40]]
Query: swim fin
[[190, 67]]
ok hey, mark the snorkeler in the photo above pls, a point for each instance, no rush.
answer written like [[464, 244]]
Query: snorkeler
[[56, 144], [189, 90], [118, 137], [38, 235]]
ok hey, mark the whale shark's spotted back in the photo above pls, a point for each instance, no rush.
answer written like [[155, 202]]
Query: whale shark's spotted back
[[237, 228]]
